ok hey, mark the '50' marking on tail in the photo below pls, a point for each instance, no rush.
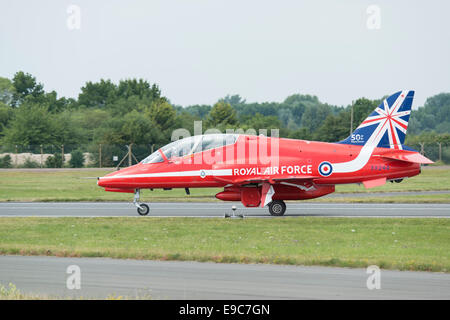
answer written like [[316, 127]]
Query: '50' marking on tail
[[357, 138]]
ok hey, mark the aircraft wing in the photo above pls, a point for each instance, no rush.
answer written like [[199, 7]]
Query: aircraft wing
[[295, 178]]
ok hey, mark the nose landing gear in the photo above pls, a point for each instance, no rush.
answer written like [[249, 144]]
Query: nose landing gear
[[142, 208]]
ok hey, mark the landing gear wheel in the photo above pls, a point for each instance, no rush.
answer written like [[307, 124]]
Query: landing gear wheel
[[142, 208], [144, 211], [277, 208]]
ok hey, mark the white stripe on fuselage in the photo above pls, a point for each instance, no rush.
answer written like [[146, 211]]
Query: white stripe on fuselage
[[194, 173]]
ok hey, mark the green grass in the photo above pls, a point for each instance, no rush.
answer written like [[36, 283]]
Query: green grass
[[75, 186], [391, 243], [10, 292]]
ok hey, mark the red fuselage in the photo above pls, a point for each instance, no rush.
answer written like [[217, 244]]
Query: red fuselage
[[290, 166]]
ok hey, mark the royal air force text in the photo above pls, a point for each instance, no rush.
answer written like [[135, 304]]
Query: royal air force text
[[297, 169]]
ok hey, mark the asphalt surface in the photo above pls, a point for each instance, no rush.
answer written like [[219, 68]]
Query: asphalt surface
[[100, 277], [385, 194], [213, 209]]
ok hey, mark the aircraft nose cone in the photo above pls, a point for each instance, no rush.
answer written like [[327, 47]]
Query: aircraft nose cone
[[106, 180], [117, 179], [101, 182]]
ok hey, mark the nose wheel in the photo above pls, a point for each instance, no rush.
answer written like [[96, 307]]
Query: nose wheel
[[277, 208], [142, 208]]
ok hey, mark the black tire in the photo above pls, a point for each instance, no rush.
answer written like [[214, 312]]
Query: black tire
[[277, 208], [144, 211]]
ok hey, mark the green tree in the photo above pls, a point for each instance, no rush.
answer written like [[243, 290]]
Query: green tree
[[6, 114], [97, 95], [433, 116], [30, 163], [200, 111], [222, 114], [67, 130], [25, 85], [76, 159], [54, 161], [31, 125], [162, 114], [314, 116], [139, 129], [258, 121], [88, 120], [233, 100], [297, 103], [334, 128], [362, 108], [301, 133], [6, 162], [6, 91], [139, 88], [54, 104]]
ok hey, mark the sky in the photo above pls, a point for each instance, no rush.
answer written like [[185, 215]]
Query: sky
[[198, 51]]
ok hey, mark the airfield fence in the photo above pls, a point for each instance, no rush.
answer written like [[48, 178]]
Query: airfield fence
[[100, 155], [94, 156]]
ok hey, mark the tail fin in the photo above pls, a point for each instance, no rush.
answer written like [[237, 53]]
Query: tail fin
[[386, 126]]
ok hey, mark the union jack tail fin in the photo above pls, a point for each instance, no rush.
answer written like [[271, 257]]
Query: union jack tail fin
[[386, 126]]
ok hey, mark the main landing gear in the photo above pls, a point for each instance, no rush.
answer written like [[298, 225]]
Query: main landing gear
[[142, 208], [277, 208]]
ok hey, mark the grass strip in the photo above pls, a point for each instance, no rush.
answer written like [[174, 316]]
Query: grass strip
[[391, 243], [10, 292]]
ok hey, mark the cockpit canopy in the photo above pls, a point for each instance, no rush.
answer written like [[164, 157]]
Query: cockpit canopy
[[190, 145]]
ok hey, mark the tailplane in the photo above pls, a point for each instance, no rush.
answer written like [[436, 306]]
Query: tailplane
[[386, 126], [406, 156]]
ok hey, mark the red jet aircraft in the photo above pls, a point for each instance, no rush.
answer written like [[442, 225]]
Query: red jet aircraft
[[260, 170]]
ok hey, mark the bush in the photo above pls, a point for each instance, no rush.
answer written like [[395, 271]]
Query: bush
[[30, 163], [76, 159], [54, 161], [5, 162], [446, 154]]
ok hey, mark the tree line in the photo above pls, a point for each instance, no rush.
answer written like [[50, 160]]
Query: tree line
[[107, 116]]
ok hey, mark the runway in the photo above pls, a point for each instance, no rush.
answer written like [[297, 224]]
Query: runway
[[100, 277], [218, 209]]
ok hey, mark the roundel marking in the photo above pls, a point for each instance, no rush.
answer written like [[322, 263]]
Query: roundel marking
[[202, 174], [325, 169]]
